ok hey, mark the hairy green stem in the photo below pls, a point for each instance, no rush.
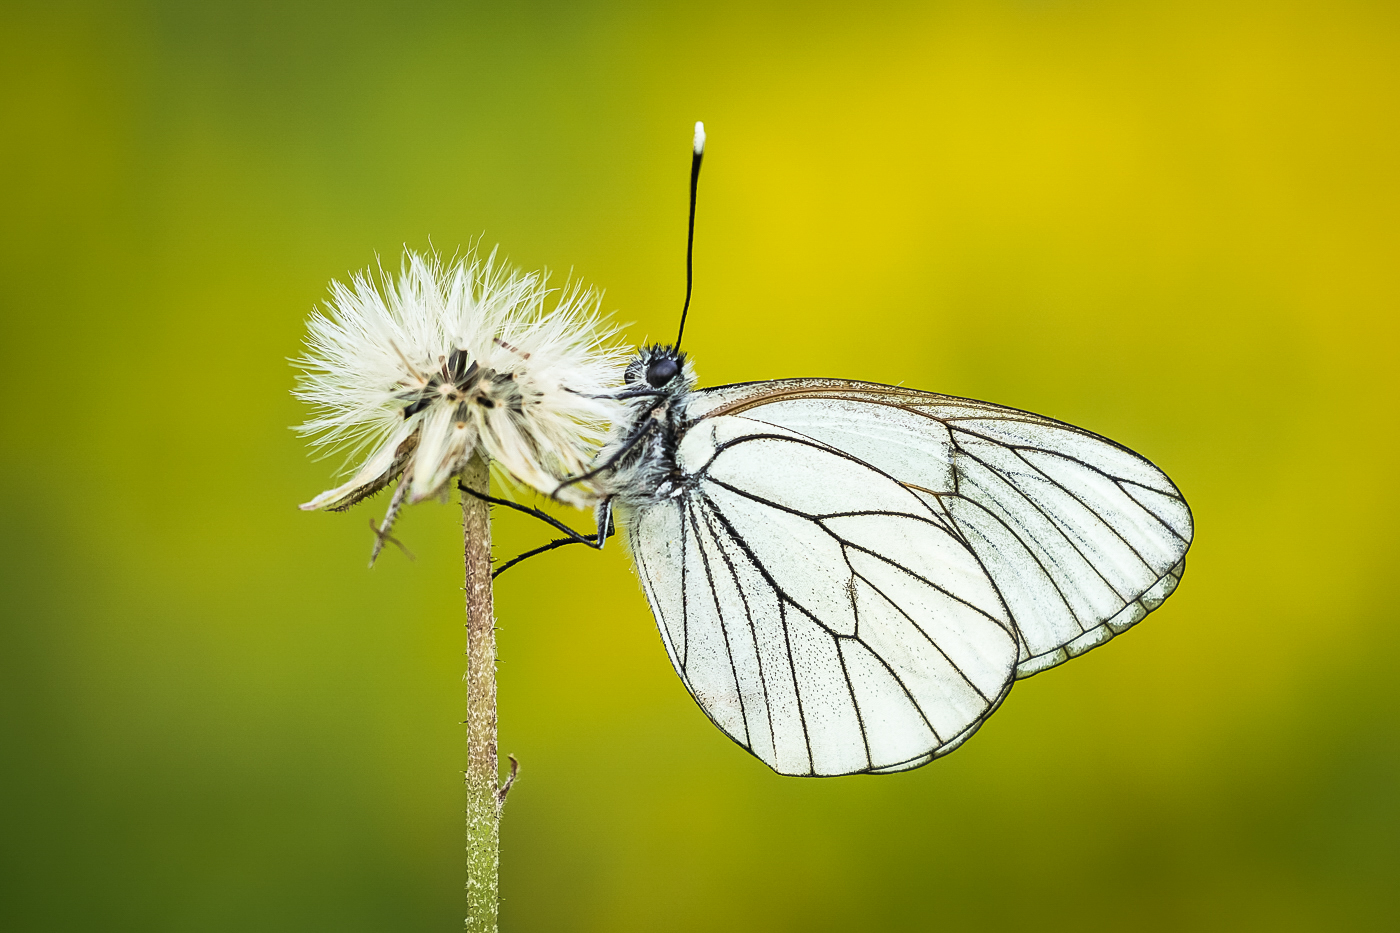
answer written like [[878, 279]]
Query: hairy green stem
[[483, 770]]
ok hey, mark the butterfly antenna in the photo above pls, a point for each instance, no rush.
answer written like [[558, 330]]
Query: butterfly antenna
[[696, 156]]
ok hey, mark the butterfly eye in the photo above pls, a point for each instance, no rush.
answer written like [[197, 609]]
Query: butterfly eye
[[661, 371]]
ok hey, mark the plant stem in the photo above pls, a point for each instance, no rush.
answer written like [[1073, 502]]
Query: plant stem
[[483, 772]]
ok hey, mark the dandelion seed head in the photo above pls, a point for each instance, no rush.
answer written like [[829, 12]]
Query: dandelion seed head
[[409, 375]]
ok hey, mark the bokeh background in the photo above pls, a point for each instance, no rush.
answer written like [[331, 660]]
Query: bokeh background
[[1173, 223]]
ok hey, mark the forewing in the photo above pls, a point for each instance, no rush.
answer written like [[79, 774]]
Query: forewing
[[1081, 536], [823, 615]]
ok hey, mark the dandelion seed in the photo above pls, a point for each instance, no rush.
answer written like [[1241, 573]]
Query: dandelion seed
[[412, 375]]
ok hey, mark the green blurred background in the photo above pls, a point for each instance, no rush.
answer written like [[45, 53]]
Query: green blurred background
[[1175, 224]]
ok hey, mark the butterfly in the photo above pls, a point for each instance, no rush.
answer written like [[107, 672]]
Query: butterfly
[[849, 577]]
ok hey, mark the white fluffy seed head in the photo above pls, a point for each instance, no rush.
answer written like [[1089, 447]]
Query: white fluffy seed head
[[419, 371]]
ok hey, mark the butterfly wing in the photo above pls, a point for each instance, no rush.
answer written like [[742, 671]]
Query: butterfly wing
[[824, 615], [1081, 536]]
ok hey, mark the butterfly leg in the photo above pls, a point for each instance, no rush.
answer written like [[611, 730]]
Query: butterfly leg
[[636, 437], [625, 394], [536, 513], [606, 529]]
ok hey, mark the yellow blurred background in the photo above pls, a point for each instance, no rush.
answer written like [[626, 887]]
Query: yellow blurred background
[[1172, 223]]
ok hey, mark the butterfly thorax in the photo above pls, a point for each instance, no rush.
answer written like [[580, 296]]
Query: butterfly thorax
[[643, 444]]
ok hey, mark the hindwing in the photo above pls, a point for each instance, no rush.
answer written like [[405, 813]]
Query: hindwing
[[823, 615]]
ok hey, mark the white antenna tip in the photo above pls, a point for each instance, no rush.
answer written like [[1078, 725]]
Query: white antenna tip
[[699, 138]]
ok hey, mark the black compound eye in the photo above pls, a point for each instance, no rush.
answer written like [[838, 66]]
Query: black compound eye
[[661, 371]]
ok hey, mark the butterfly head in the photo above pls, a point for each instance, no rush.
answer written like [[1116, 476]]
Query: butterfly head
[[660, 367]]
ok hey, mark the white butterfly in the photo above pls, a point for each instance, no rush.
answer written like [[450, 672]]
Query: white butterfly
[[849, 577]]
